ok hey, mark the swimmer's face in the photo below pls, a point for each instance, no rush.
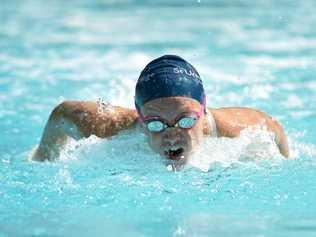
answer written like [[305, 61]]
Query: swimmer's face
[[174, 143]]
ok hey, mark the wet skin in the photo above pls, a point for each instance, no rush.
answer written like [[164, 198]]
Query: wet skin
[[78, 119], [174, 143]]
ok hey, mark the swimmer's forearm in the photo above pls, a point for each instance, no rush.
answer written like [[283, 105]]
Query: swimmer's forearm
[[52, 142], [284, 149], [55, 136], [281, 140]]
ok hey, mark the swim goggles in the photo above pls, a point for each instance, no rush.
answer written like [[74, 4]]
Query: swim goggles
[[156, 124]]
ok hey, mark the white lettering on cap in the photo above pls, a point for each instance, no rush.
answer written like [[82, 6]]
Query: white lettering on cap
[[180, 70]]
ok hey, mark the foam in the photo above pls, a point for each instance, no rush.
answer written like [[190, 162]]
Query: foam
[[253, 145]]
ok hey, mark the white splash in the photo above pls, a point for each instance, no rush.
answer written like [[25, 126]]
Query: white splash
[[251, 145]]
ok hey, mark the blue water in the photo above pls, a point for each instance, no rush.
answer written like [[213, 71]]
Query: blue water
[[259, 54]]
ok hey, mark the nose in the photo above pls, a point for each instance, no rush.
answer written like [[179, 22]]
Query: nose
[[171, 136]]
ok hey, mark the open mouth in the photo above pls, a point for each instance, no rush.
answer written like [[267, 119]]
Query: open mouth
[[174, 153]]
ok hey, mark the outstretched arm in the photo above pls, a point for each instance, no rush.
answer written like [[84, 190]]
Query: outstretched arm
[[81, 119], [230, 121]]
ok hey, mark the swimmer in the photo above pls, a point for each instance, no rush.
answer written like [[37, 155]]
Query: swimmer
[[170, 109]]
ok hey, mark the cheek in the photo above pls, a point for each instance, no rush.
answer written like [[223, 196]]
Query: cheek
[[196, 134], [154, 140]]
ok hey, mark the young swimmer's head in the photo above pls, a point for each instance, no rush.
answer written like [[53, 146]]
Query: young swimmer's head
[[170, 102]]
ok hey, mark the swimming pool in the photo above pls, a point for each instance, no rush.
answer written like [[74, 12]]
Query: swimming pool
[[249, 53]]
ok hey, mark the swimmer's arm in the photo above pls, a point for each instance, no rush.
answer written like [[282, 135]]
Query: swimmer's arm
[[78, 119], [230, 121], [54, 137]]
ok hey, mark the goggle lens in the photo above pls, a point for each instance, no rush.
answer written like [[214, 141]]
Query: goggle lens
[[187, 122], [184, 122], [155, 126]]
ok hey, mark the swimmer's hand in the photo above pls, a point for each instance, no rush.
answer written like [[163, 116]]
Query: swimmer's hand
[[77, 119]]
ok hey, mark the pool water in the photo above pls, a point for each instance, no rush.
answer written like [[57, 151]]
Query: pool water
[[258, 54]]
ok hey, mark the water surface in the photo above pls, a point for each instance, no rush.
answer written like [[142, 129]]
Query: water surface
[[259, 54]]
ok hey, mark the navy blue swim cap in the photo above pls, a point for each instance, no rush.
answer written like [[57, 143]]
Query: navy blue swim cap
[[167, 76]]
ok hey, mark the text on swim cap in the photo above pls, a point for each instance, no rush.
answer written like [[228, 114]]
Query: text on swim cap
[[184, 71]]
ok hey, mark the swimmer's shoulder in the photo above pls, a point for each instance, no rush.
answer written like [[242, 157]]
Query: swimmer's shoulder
[[232, 113], [97, 117], [230, 120]]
